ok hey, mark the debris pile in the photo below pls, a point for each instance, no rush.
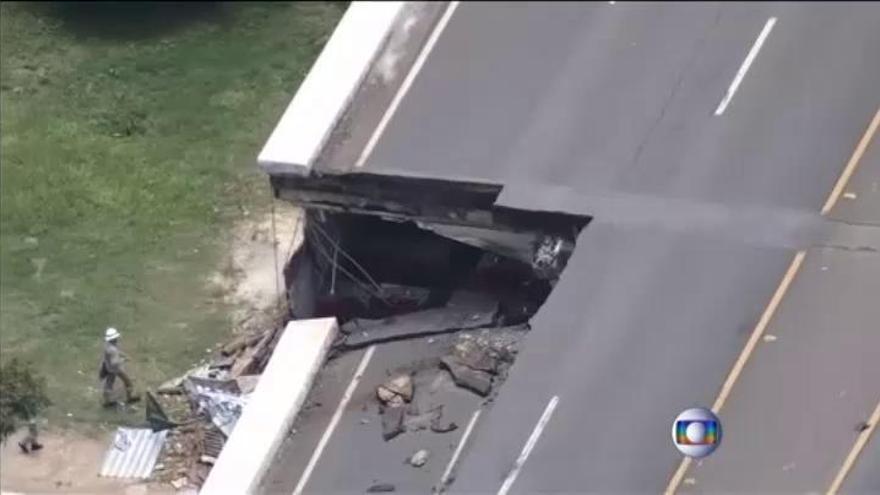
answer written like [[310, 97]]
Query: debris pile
[[479, 360], [393, 395], [220, 400], [181, 462], [241, 359], [204, 405]]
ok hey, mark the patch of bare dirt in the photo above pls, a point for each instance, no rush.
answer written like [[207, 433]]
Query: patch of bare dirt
[[250, 278], [68, 463]]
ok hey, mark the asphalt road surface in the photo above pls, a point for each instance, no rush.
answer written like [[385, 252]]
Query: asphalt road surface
[[748, 111], [637, 330], [865, 477], [354, 456], [644, 322], [793, 416], [796, 411], [622, 97], [864, 208]]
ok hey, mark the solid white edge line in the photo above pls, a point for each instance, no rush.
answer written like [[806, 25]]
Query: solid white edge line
[[407, 82], [455, 455], [355, 380], [530, 444], [741, 73]]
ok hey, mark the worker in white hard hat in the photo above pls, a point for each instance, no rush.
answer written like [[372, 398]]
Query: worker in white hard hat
[[111, 368]]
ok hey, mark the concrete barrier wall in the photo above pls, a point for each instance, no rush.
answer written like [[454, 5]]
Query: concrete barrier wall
[[272, 407], [327, 90]]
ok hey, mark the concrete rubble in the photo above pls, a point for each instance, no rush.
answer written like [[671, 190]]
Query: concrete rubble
[[204, 404], [396, 391], [477, 381], [414, 421], [419, 459], [188, 447], [476, 360], [392, 421]]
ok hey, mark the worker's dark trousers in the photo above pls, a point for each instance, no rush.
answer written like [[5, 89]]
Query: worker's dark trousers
[[30, 440], [30, 443], [110, 380]]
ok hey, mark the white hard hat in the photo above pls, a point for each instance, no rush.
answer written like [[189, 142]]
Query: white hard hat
[[111, 334]]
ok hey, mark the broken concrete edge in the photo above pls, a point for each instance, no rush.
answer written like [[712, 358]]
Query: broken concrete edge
[[345, 346], [327, 90], [274, 404]]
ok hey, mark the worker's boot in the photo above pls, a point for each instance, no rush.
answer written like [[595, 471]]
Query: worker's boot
[[24, 448], [35, 446], [133, 398]]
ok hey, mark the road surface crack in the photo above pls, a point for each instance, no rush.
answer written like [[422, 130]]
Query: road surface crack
[[695, 52]]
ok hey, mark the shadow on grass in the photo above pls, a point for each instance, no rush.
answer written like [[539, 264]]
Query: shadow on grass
[[129, 21]]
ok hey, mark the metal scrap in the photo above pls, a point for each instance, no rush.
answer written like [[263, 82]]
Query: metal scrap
[[217, 392], [212, 441], [133, 453], [219, 399], [155, 414]]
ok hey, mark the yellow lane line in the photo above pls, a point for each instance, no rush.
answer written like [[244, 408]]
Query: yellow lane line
[[793, 268], [852, 164], [861, 441], [740, 363], [759, 330]]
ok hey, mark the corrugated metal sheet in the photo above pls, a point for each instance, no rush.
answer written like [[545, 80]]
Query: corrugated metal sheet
[[133, 453], [213, 440]]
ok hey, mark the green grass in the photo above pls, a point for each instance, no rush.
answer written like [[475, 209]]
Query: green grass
[[125, 155]]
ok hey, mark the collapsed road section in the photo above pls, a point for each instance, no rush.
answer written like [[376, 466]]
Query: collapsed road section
[[383, 246], [433, 287]]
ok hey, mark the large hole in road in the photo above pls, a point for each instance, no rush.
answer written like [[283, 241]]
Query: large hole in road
[[477, 275], [365, 267]]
